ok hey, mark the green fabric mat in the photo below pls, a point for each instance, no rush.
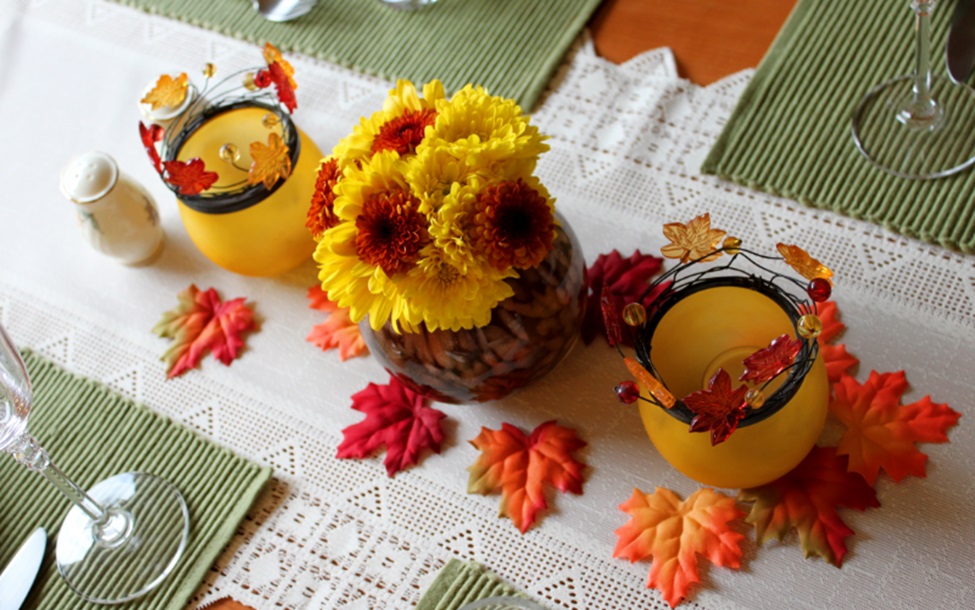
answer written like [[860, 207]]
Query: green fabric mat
[[511, 47], [790, 132], [460, 583], [92, 432]]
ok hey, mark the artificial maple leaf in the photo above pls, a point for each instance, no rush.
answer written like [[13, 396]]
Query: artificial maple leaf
[[835, 357], [881, 432], [672, 532], [190, 178], [804, 265], [273, 56], [806, 499], [202, 323], [769, 361], [519, 465], [150, 135], [270, 163], [694, 241], [283, 85], [626, 279], [338, 331], [168, 92], [718, 408], [396, 417]]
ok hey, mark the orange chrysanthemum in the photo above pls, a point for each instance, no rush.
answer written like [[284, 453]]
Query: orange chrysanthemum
[[391, 232], [404, 133], [321, 212], [513, 225]]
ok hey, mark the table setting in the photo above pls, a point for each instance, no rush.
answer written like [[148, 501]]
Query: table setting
[[434, 307]]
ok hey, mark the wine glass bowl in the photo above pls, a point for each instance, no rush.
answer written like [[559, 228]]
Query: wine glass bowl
[[122, 537], [917, 126]]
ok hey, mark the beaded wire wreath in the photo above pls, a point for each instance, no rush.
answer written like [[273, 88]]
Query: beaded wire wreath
[[719, 409]]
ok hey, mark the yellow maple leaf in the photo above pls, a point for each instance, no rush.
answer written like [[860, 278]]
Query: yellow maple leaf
[[805, 265], [271, 162], [168, 91], [693, 241], [273, 56]]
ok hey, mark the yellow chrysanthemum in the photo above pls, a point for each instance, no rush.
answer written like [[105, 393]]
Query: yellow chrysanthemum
[[490, 131], [440, 296]]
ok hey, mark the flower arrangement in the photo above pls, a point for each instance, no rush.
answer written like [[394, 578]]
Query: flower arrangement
[[428, 207]]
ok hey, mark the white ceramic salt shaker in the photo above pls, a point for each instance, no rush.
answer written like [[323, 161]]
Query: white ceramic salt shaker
[[117, 216]]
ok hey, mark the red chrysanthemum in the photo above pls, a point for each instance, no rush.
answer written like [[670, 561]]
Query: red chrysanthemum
[[391, 232], [404, 133], [513, 225], [321, 212]]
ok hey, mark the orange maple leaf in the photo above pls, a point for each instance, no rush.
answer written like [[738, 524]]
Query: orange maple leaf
[[837, 360], [168, 91], [338, 331], [881, 432], [202, 324], [519, 465], [270, 163], [693, 241], [806, 499], [671, 532]]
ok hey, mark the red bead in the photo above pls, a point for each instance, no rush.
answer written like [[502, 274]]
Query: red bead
[[156, 132], [819, 289], [627, 392], [262, 79]]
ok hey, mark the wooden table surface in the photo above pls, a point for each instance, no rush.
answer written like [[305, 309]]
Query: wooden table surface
[[710, 38]]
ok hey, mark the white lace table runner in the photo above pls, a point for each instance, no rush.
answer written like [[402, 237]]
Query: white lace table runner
[[627, 142]]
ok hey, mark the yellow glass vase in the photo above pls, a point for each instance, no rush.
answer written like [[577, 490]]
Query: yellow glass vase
[[249, 230], [716, 325]]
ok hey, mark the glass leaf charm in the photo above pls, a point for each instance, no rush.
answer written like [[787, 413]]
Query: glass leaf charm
[[168, 92], [150, 135], [190, 178], [768, 362], [660, 393], [271, 162], [718, 408], [610, 306], [694, 241], [805, 265]]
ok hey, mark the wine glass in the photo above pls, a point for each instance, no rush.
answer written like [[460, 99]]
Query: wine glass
[[921, 125], [124, 535]]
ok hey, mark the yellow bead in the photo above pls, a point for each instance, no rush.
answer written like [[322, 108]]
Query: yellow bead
[[270, 120], [809, 326], [209, 70], [249, 83], [634, 314], [754, 398], [731, 245], [229, 153]]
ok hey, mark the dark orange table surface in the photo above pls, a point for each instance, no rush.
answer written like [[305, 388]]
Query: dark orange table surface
[[710, 38]]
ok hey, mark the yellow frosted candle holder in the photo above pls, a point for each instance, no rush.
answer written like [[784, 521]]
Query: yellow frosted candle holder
[[250, 229]]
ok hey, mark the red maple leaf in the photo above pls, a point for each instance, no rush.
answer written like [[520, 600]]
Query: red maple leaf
[[672, 533], [806, 499], [338, 331], [881, 432], [835, 357], [519, 465], [768, 362], [150, 135], [202, 324], [396, 417], [624, 278], [718, 408], [191, 178]]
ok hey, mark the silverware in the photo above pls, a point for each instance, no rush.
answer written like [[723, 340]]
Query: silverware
[[960, 47], [18, 577], [282, 10]]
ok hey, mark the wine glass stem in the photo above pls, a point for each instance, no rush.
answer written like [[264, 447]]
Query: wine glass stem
[[921, 109], [29, 452]]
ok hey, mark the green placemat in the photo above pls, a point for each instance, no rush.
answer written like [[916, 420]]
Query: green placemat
[[460, 583], [511, 47], [790, 132], [92, 432]]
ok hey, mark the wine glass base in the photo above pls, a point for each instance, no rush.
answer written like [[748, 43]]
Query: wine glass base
[[137, 547], [917, 141]]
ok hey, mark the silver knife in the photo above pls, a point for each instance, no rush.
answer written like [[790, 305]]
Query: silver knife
[[960, 47], [18, 577]]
